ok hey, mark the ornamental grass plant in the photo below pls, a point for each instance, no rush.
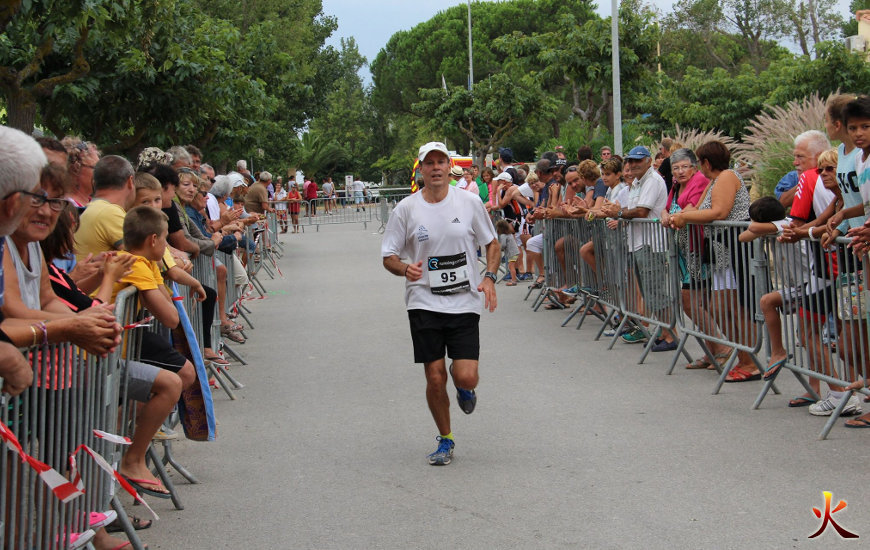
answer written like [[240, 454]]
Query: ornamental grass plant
[[768, 144]]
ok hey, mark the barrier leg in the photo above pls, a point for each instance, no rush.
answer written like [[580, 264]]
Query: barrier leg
[[726, 368], [169, 458], [618, 331], [835, 415], [219, 379], [226, 374], [124, 519], [163, 475], [650, 343], [603, 326], [681, 348], [234, 355]]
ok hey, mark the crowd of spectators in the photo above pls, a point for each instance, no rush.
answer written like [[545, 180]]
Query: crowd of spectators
[[79, 226], [686, 191]]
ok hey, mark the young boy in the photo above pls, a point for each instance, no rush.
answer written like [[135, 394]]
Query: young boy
[[768, 218], [508, 243], [145, 231]]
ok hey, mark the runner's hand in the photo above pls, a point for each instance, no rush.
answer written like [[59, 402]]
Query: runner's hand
[[488, 289], [414, 271]]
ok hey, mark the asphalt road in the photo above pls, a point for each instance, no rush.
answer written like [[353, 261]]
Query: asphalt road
[[571, 445]]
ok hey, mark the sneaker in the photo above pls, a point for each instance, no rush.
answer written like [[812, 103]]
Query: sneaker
[[663, 345], [827, 405], [467, 400], [635, 336], [444, 452], [508, 277], [573, 290]]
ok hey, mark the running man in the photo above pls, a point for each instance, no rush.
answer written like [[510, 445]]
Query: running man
[[439, 230]]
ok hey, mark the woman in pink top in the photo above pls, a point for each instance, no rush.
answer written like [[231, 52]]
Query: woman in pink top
[[689, 185]]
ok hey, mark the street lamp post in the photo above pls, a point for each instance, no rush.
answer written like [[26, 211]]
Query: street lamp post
[[617, 94], [470, 74]]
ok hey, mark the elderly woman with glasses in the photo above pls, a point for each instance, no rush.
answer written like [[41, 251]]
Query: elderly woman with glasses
[[726, 198], [688, 188]]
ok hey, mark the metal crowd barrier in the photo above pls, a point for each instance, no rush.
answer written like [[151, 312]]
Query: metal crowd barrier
[[204, 272], [823, 316], [701, 282], [720, 301], [330, 212], [235, 295], [73, 394], [385, 206]]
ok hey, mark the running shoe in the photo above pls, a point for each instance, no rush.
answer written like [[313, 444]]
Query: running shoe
[[467, 400], [635, 336], [444, 452], [827, 405], [663, 345]]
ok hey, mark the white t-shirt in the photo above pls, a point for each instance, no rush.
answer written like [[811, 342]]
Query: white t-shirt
[[212, 208], [279, 196], [652, 193], [618, 193], [327, 188], [847, 179], [418, 231], [862, 169], [357, 186]]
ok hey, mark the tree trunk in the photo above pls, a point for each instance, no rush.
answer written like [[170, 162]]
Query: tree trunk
[[21, 110], [556, 128]]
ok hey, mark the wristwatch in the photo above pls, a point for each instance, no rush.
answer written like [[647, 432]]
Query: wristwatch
[[490, 275], [619, 214]]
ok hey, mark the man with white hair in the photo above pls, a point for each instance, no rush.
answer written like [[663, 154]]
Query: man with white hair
[[807, 148], [21, 162], [439, 231]]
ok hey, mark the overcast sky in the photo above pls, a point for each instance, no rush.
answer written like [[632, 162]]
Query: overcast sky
[[373, 22]]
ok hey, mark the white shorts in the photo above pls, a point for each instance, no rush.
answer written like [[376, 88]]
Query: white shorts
[[723, 279], [536, 244]]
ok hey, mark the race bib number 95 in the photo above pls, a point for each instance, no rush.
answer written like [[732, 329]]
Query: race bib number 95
[[448, 274]]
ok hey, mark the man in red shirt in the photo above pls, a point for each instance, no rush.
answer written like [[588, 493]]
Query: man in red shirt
[[310, 190]]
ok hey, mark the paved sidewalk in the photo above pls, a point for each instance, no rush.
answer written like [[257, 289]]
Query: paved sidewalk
[[571, 446]]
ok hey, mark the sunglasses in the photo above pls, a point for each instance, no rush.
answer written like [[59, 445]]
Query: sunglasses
[[827, 168], [204, 193]]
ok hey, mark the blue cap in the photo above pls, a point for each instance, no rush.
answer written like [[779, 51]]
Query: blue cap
[[638, 153]]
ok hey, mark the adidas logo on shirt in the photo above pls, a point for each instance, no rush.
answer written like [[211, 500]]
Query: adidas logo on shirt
[[455, 220]]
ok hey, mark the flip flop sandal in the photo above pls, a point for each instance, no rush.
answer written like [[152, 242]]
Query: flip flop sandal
[[857, 423], [774, 369], [801, 401], [137, 484], [137, 523], [698, 364], [510, 284], [216, 359], [739, 375]]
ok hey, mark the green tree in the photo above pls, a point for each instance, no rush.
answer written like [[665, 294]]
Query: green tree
[[488, 115], [42, 46]]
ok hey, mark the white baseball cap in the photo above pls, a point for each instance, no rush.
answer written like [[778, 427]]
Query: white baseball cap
[[504, 176], [432, 146]]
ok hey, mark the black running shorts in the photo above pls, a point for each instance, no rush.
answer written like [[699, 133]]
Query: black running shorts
[[433, 332]]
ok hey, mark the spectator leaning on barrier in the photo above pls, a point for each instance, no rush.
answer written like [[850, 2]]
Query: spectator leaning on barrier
[[647, 197], [257, 199], [21, 160], [444, 298], [726, 198]]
